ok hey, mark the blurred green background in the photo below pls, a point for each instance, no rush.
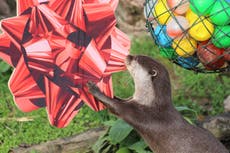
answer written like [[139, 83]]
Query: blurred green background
[[202, 93]]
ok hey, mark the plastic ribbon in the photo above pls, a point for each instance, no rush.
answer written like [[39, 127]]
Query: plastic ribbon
[[56, 47]]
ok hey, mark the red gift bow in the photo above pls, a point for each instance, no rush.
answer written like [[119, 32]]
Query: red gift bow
[[56, 47]]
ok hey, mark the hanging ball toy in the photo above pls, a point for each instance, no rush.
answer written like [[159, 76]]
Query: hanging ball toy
[[161, 12], [185, 47], [188, 62], [148, 10], [194, 34], [221, 36], [162, 37], [220, 13], [178, 6], [168, 53], [227, 56], [210, 56], [177, 26], [201, 28], [202, 7]]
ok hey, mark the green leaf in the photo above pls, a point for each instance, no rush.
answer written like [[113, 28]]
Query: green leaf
[[139, 146], [132, 138], [188, 120], [109, 123], [123, 150], [184, 108], [4, 67], [99, 144], [119, 131], [108, 148]]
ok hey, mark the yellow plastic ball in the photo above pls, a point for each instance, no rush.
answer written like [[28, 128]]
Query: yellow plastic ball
[[191, 16], [162, 12], [201, 28], [185, 47]]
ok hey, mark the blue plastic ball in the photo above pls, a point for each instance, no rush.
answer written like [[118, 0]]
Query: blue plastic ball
[[188, 63], [162, 37]]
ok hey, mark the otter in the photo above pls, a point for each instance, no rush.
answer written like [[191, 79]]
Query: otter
[[152, 114]]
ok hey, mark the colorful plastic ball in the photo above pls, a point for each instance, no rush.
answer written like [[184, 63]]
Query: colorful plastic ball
[[162, 12], [185, 47], [149, 7], [162, 37], [227, 56], [221, 36], [191, 16], [202, 7], [177, 26], [220, 13], [188, 63], [210, 56], [178, 6], [168, 53], [201, 29]]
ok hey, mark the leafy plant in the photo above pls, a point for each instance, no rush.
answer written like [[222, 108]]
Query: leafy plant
[[4, 67], [119, 131], [120, 138]]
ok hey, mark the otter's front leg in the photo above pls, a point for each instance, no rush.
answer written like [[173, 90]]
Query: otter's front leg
[[126, 110], [95, 91], [112, 104]]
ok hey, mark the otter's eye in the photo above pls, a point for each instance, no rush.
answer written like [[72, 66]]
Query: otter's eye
[[153, 73]]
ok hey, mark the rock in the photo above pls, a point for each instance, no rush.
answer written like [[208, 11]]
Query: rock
[[4, 8], [227, 104], [130, 17], [219, 126], [75, 144]]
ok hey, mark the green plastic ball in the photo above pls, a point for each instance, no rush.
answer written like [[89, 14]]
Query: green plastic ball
[[220, 13], [168, 53], [202, 7], [221, 36]]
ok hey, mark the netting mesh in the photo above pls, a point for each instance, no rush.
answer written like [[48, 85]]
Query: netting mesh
[[194, 34]]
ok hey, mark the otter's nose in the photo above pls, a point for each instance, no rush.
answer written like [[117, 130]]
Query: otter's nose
[[128, 59]]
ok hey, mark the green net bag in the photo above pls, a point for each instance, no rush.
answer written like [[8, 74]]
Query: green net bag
[[195, 34]]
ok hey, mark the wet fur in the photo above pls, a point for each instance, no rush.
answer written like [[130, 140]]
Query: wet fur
[[150, 111]]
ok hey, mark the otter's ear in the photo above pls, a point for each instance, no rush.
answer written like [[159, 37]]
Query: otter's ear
[[153, 73]]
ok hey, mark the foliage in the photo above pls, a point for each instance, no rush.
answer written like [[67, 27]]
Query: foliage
[[204, 93], [119, 131], [4, 67], [120, 138]]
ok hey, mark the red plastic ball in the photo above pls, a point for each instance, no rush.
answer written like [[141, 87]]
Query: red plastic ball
[[210, 56], [227, 56]]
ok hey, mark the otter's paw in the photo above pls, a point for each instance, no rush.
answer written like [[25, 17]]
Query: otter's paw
[[93, 88]]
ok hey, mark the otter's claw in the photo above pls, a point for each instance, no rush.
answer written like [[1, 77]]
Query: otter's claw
[[93, 88]]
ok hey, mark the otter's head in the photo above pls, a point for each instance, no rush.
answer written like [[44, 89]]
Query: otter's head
[[149, 74]]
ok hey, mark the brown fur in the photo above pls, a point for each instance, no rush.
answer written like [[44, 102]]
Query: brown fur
[[155, 118]]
